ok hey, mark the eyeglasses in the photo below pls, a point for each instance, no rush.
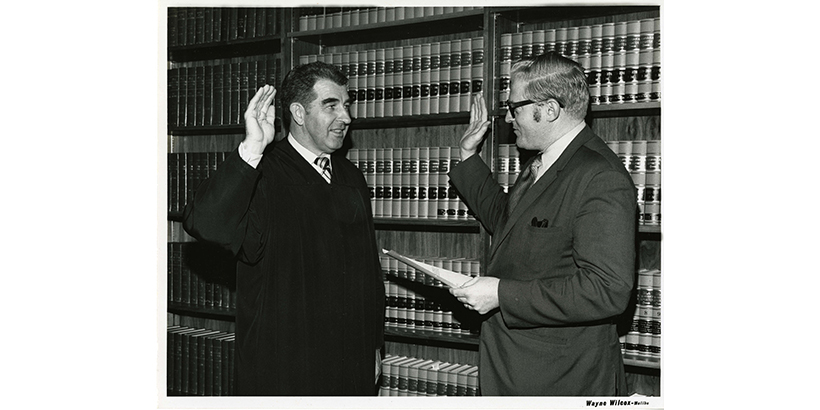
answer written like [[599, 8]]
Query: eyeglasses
[[514, 105]]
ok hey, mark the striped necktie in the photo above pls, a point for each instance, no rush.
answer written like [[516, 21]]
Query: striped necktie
[[324, 164], [523, 184]]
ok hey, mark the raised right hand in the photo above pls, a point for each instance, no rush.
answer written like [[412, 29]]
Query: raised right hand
[[259, 119], [477, 129]]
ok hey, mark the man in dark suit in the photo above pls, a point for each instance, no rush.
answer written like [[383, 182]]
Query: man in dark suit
[[310, 310], [562, 260]]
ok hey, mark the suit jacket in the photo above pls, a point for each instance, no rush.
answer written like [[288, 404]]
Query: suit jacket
[[310, 306], [561, 284]]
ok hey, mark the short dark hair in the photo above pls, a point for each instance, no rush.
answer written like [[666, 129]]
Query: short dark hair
[[298, 85], [553, 75]]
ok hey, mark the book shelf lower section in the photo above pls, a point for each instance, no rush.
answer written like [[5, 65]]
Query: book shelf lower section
[[467, 342], [225, 314]]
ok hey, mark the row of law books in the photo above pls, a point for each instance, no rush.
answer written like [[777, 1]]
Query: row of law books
[[418, 377], [420, 79], [507, 166], [622, 60], [643, 340], [186, 171], [344, 17], [603, 38], [411, 307], [643, 161], [199, 362], [411, 182], [201, 285], [189, 26], [216, 92]]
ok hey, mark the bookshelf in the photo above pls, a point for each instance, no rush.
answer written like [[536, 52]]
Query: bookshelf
[[350, 38], [217, 57]]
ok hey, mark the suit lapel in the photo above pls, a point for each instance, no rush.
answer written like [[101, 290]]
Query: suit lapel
[[541, 185]]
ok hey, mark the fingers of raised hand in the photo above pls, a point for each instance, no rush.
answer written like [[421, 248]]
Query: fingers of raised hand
[[258, 105]]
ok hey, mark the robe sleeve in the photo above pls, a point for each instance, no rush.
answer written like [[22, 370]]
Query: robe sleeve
[[228, 210]]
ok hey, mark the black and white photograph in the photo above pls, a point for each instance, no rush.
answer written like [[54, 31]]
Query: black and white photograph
[[328, 167], [561, 204]]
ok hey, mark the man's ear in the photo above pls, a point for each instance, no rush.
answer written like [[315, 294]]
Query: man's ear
[[297, 112], [551, 109]]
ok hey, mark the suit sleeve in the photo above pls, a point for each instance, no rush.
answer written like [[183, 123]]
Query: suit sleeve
[[480, 191], [228, 210], [603, 251]]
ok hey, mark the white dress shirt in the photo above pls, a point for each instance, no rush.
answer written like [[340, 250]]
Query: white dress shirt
[[551, 154], [253, 159]]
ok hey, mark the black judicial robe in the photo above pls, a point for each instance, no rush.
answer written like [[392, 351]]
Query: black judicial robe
[[310, 306]]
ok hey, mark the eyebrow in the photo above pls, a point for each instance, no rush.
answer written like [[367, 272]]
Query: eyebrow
[[331, 100]]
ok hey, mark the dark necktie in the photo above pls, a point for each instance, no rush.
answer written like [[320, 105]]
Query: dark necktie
[[523, 184], [324, 164]]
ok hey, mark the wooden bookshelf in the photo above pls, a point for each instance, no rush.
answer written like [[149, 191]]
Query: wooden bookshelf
[[448, 238], [205, 312], [460, 341], [469, 20]]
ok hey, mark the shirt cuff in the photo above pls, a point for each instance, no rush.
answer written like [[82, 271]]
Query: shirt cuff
[[251, 159]]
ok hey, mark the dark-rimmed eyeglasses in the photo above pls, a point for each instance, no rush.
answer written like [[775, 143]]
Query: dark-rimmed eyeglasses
[[514, 105]]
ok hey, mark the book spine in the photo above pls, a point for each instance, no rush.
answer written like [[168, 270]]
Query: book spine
[[443, 169], [415, 79], [456, 208], [384, 377], [216, 25], [353, 82], [432, 187], [435, 76], [378, 184], [477, 68], [238, 72], [245, 76], [388, 81], [169, 359], [423, 182], [387, 183], [465, 74], [191, 100], [216, 94], [227, 366], [407, 80], [370, 81], [190, 32], [231, 381], [397, 81], [455, 76], [379, 81], [361, 97], [199, 95], [182, 95], [472, 382], [186, 364], [208, 95], [173, 96]]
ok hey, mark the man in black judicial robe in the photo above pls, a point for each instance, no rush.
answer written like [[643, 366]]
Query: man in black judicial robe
[[310, 309]]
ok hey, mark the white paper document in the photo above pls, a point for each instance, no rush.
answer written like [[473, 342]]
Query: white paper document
[[447, 277]]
